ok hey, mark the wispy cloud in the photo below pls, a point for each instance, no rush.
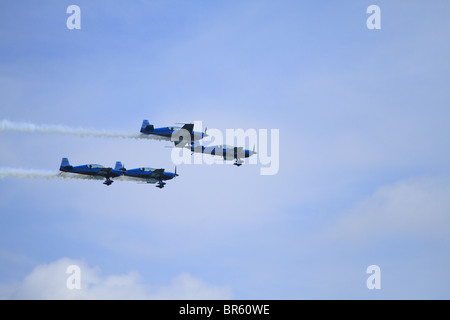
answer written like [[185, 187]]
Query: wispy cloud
[[49, 281], [412, 207], [41, 174], [6, 125]]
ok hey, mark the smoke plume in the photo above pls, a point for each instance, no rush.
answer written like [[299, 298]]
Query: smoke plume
[[39, 174], [6, 125]]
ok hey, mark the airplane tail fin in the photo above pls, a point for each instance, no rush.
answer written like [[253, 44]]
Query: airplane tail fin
[[146, 126], [65, 164], [119, 166]]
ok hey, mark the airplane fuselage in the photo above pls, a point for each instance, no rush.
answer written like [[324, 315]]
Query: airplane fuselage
[[149, 175], [173, 133], [92, 171], [226, 153]]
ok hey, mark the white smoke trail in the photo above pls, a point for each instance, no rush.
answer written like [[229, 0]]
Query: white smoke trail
[[36, 174], [18, 173], [6, 125], [46, 174]]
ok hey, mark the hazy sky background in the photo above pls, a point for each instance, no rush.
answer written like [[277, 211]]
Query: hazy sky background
[[364, 174]]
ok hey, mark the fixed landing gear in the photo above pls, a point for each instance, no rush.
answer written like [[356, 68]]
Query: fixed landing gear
[[238, 163], [108, 182], [161, 184]]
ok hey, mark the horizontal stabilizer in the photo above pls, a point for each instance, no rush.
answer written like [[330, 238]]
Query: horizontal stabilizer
[[189, 127]]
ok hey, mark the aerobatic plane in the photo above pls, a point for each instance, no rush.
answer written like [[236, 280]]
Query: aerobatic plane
[[225, 151], [150, 175], [179, 135], [93, 171]]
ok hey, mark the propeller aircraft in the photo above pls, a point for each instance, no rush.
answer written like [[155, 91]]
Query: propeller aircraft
[[150, 175], [225, 151], [179, 135], [94, 171]]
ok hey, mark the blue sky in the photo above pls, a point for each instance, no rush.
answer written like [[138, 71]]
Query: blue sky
[[364, 150]]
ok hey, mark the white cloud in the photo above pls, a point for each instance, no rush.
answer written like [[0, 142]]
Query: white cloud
[[414, 207], [186, 286], [49, 281]]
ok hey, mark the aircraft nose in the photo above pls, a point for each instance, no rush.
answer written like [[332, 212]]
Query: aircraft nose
[[249, 153]]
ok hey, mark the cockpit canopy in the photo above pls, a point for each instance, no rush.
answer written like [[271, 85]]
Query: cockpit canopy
[[225, 146], [95, 166], [146, 169]]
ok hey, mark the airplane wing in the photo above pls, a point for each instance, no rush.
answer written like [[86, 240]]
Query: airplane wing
[[239, 152], [189, 127], [157, 173], [104, 172], [181, 138]]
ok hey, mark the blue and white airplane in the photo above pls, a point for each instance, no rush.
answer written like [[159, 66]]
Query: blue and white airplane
[[225, 151], [150, 175], [179, 135], [93, 171]]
